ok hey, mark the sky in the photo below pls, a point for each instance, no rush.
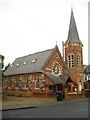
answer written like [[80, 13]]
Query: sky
[[29, 26]]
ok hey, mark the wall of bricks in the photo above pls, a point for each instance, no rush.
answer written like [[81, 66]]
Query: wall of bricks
[[45, 81], [76, 73]]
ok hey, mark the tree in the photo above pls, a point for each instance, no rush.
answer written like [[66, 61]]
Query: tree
[[1, 72], [6, 67]]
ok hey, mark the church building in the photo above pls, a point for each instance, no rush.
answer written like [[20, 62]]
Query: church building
[[44, 73]]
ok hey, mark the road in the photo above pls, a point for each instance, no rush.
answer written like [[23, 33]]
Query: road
[[71, 109]]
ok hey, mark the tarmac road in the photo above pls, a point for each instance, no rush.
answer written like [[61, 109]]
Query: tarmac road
[[69, 109]]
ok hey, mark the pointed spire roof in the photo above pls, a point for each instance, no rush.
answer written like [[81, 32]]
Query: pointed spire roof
[[72, 33]]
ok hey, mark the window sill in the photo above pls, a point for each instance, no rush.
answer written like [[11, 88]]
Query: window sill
[[70, 93], [37, 88]]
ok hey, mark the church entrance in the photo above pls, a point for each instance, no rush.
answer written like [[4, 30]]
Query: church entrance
[[59, 87]]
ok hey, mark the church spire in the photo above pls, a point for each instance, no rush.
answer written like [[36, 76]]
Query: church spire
[[72, 33]]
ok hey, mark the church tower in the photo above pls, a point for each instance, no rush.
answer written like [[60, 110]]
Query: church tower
[[73, 54]]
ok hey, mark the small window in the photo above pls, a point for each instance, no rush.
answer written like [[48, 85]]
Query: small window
[[37, 83], [33, 61], [56, 56], [17, 83], [25, 63], [69, 43], [17, 64], [12, 65], [50, 87], [68, 87], [10, 83]]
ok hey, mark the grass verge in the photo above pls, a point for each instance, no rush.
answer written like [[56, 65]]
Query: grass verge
[[12, 100]]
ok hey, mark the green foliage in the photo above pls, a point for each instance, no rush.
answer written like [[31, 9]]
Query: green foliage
[[1, 71], [6, 67]]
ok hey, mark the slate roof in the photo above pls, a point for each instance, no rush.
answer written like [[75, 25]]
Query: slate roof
[[66, 77], [72, 33], [55, 79], [59, 79], [28, 64]]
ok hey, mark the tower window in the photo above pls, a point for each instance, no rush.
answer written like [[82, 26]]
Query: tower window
[[70, 61], [78, 61]]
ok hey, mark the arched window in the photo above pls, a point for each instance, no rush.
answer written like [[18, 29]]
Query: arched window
[[70, 61], [10, 83], [68, 88], [5, 83], [17, 82], [27, 83], [69, 43], [56, 68], [37, 83], [78, 61]]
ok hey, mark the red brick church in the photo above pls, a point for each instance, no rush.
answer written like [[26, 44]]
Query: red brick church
[[44, 73]]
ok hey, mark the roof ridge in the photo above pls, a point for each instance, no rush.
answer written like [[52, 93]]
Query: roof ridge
[[34, 53]]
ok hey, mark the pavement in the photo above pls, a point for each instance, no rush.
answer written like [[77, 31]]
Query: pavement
[[27, 106]]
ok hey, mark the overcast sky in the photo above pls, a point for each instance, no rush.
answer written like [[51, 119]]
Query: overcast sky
[[29, 26]]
